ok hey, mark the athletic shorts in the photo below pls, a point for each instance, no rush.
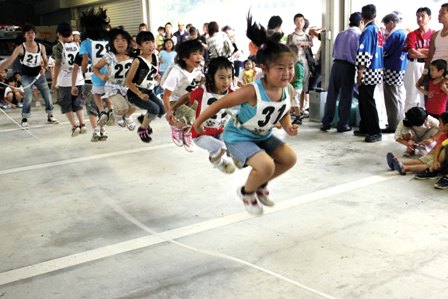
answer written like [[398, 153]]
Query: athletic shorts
[[243, 151]]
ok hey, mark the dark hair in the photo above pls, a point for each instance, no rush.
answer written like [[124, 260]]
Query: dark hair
[[28, 27], [185, 49], [355, 19], [368, 12], [144, 36], [424, 9], [440, 64], [226, 28], [64, 29], [214, 65], [298, 15], [161, 28], [268, 49], [142, 24], [274, 22], [94, 23], [415, 116], [113, 35], [212, 28], [306, 25], [444, 118], [444, 5], [167, 40], [390, 18], [192, 30]]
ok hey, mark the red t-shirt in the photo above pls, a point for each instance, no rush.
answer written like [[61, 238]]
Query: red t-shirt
[[436, 103], [417, 40], [214, 125]]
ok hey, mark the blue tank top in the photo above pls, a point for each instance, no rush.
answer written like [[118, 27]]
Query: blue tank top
[[255, 123]]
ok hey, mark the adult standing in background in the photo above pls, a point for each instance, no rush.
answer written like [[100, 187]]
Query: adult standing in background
[[181, 34], [417, 46], [395, 61], [369, 61], [218, 42], [342, 77]]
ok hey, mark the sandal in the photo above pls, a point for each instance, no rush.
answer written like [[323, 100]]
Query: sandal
[[120, 121], [130, 123], [398, 166]]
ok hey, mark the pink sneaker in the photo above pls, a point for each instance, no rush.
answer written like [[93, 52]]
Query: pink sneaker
[[188, 142], [177, 135]]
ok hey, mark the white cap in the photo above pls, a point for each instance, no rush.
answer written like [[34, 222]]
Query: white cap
[[76, 33]]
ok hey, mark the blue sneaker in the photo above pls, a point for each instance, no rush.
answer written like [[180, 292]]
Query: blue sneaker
[[390, 160]]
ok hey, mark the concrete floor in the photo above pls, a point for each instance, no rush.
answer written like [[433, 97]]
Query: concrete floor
[[124, 219]]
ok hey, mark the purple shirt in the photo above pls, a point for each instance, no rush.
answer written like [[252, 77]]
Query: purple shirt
[[346, 45]]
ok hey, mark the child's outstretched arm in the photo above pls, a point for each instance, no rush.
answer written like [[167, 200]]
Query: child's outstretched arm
[[242, 95]]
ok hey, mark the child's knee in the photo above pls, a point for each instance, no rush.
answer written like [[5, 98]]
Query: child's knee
[[267, 167]]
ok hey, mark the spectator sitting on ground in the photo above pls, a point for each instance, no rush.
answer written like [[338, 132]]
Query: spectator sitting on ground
[[418, 131], [428, 165]]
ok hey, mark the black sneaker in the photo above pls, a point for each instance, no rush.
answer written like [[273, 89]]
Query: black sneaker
[[426, 175], [144, 133], [442, 183], [373, 138], [24, 123], [343, 129]]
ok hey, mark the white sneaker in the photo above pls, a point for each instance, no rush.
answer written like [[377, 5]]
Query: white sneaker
[[96, 136], [52, 120], [103, 118], [103, 134], [75, 131], [110, 118], [264, 197], [24, 123], [225, 166], [251, 203], [82, 129]]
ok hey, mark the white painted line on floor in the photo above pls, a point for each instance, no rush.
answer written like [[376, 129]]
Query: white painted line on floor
[[127, 246], [84, 159]]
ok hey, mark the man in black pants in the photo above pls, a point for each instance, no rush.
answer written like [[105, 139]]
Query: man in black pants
[[342, 76], [369, 62]]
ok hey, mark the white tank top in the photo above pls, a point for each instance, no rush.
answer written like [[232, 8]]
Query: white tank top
[[441, 45], [218, 120]]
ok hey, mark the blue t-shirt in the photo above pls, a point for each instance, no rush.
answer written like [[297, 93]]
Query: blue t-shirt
[[95, 50], [167, 59]]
